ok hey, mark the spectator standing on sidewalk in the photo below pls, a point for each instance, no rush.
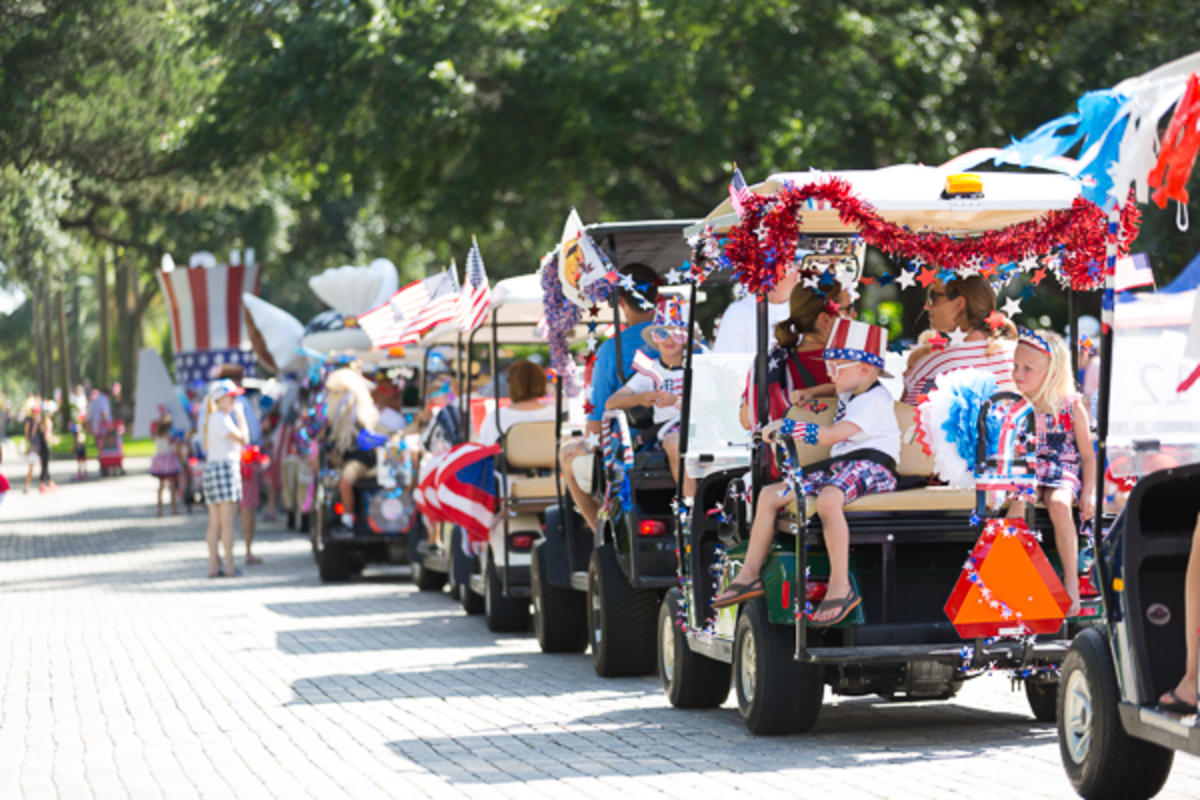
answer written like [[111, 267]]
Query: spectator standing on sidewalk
[[99, 417], [251, 471]]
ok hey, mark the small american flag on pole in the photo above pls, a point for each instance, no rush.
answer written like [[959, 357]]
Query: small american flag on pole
[[739, 192], [476, 296], [412, 310]]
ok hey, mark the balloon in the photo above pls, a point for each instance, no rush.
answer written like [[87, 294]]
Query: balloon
[[354, 290]]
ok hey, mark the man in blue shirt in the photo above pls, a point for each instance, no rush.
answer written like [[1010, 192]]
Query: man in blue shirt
[[606, 379]]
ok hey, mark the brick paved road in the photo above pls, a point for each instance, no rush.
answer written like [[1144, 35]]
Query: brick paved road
[[125, 672]]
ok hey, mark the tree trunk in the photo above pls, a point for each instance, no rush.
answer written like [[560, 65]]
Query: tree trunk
[[73, 334], [39, 359], [65, 367], [102, 372], [47, 333]]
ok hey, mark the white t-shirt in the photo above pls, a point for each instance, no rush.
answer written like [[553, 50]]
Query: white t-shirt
[[874, 412], [652, 375], [218, 446], [488, 434], [738, 332]]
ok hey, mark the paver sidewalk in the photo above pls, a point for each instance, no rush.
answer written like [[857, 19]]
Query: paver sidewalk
[[125, 672]]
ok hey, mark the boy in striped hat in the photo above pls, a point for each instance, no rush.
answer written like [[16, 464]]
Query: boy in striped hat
[[864, 441]]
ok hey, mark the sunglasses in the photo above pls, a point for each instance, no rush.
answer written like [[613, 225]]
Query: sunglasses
[[932, 295], [664, 335]]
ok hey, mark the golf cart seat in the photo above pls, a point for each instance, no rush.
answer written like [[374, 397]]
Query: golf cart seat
[[529, 454], [913, 462]]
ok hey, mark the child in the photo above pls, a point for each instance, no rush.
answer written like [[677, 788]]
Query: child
[[658, 382], [865, 441], [225, 433], [165, 463], [1065, 462], [77, 428]]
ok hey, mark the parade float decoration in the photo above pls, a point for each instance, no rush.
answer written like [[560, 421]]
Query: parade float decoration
[[204, 303]]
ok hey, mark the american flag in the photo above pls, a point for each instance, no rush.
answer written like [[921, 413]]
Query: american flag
[[739, 192], [412, 310], [476, 297]]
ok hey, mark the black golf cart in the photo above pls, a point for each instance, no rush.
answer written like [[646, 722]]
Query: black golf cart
[[604, 589]]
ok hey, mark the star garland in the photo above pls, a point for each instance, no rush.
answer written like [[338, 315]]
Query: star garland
[[763, 245]]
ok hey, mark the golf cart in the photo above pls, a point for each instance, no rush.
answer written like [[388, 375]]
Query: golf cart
[[1115, 739], [604, 590], [383, 508], [498, 582], [927, 621]]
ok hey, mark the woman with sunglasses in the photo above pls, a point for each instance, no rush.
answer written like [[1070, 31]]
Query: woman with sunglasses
[[965, 332], [795, 369]]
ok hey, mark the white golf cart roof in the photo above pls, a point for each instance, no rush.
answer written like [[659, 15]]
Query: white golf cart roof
[[517, 303], [911, 195]]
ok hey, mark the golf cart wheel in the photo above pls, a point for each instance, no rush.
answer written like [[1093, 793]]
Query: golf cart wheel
[[333, 563], [316, 520], [622, 621], [689, 679], [1101, 759], [559, 614], [775, 693], [1043, 699], [503, 614], [427, 580], [471, 603]]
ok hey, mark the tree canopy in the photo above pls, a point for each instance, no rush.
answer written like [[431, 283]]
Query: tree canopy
[[323, 132]]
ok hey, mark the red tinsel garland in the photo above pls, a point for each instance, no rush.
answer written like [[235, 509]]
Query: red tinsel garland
[[763, 244]]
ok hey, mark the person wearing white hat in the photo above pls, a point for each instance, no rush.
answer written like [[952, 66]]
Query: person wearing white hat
[[225, 434], [864, 441]]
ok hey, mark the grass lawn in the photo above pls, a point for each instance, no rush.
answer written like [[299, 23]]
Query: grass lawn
[[65, 448]]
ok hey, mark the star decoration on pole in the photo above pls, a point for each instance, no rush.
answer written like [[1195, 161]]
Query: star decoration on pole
[[905, 279], [592, 440], [1038, 276], [926, 278], [673, 276], [1011, 307]]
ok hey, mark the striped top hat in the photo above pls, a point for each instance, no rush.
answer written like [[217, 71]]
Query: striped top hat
[[851, 340]]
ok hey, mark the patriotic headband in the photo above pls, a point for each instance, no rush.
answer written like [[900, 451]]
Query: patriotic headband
[[1027, 336]]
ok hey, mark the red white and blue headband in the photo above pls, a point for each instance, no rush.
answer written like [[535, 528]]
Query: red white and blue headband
[[1029, 337]]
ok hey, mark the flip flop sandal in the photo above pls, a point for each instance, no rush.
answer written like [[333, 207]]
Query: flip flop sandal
[[1177, 706], [220, 573], [846, 604], [741, 593]]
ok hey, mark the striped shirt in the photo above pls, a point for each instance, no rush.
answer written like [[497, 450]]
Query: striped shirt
[[919, 379]]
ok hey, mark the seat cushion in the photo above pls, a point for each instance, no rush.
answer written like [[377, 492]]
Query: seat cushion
[[524, 488], [926, 498], [530, 445]]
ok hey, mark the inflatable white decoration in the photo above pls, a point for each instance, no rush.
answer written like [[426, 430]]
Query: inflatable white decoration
[[354, 290], [281, 333]]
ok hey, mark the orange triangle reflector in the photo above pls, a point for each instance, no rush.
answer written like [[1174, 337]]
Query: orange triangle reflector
[[1007, 586]]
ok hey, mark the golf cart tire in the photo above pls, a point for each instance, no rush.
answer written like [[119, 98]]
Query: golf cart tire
[[1043, 699], [333, 563], [427, 580], [622, 621], [775, 694], [689, 679], [1101, 759], [471, 603], [560, 618], [502, 614]]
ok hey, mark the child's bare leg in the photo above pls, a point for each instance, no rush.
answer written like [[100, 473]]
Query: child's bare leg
[[1185, 691], [172, 486], [211, 537], [770, 500], [670, 446], [1066, 541], [830, 504], [227, 511], [160, 491]]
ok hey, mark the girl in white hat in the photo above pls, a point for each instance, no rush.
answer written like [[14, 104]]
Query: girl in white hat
[[225, 434]]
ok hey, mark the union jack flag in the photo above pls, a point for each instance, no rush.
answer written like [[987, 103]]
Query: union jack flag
[[739, 191], [413, 310], [476, 297]]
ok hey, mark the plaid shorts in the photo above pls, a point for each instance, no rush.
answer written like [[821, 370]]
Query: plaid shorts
[[854, 478], [222, 482]]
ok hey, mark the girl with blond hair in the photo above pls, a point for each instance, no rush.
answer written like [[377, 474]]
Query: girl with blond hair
[[1065, 462], [225, 434]]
